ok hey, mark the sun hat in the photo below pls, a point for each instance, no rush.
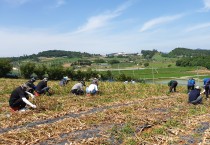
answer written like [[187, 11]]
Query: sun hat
[[45, 79], [66, 78], [197, 87]]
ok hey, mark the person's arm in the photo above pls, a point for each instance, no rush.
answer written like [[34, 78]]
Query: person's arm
[[202, 92], [28, 103], [32, 96], [96, 88]]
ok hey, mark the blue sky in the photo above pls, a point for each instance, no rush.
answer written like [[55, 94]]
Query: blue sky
[[102, 26]]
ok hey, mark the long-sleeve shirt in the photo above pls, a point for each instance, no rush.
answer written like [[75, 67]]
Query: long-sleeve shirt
[[194, 94], [17, 94], [41, 85], [77, 86]]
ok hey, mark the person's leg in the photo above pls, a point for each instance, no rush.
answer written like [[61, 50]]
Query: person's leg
[[45, 89], [197, 101], [207, 91], [74, 91], [18, 104], [188, 89], [93, 92], [80, 92], [174, 86], [170, 89]]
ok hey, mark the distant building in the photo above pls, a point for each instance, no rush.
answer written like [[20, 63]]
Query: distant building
[[123, 54]]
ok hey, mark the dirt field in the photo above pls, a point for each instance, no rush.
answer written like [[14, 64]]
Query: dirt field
[[120, 114]]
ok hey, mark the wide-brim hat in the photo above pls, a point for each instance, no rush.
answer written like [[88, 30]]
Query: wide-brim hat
[[45, 79], [197, 87], [66, 78]]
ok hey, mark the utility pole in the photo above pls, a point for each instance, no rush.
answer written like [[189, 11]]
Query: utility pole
[[153, 75], [198, 77]]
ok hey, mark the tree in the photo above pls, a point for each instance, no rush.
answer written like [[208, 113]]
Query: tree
[[55, 73], [114, 61], [99, 61], [40, 70], [146, 64], [27, 69], [5, 67]]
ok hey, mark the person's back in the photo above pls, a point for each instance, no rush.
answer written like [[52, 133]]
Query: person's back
[[30, 83], [194, 96], [19, 98], [77, 89], [77, 86], [205, 80], [92, 89], [172, 85], [42, 87], [42, 84], [16, 94], [64, 81], [191, 82]]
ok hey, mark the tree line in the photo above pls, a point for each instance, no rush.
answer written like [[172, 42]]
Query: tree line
[[194, 61], [186, 52], [31, 69], [53, 53]]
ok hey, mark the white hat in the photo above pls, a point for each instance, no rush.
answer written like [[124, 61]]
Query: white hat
[[45, 79], [66, 77], [197, 87]]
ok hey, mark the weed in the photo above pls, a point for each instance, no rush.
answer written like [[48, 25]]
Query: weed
[[160, 130], [131, 142], [172, 123]]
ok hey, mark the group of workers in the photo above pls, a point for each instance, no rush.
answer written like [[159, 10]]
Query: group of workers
[[19, 97], [194, 93]]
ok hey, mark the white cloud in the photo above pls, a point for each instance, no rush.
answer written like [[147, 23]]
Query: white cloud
[[158, 21], [17, 2], [60, 3], [198, 27], [101, 20], [206, 5]]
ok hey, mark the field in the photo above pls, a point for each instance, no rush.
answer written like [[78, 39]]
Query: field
[[127, 114], [163, 73]]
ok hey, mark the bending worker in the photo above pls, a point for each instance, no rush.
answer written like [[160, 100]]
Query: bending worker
[[195, 96], [42, 87], [172, 85], [77, 89], [19, 98]]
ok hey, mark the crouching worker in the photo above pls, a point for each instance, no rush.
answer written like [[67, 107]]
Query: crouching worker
[[42, 87], [77, 89], [19, 98], [30, 83], [64, 81], [92, 89], [194, 96], [172, 85]]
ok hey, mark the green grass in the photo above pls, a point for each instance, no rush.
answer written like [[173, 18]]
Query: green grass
[[158, 73]]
